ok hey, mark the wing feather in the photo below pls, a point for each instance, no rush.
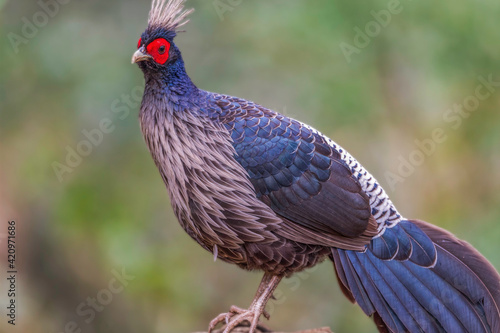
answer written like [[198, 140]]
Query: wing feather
[[300, 176]]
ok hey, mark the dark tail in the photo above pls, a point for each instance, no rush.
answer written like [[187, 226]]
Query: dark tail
[[420, 278]]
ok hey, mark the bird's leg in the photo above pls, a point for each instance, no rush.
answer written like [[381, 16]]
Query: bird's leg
[[262, 286], [237, 315], [234, 310]]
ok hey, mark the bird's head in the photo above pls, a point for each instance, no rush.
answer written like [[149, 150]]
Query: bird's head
[[156, 51]]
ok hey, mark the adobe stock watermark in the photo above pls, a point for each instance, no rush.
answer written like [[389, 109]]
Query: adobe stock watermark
[[372, 29], [32, 25], [292, 283], [453, 119], [94, 137], [89, 308], [224, 6]]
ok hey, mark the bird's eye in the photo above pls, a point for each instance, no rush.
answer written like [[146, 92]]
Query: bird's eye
[[158, 49], [139, 43]]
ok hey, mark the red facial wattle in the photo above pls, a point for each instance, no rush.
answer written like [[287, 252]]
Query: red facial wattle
[[159, 49], [139, 43]]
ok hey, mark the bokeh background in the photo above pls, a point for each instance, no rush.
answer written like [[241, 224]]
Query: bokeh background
[[111, 212]]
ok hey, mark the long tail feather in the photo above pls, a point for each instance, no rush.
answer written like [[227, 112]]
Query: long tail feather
[[420, 278]]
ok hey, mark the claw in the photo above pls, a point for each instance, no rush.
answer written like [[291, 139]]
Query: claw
[[266, 314], [236, 316], [233, 310], [216, 321]]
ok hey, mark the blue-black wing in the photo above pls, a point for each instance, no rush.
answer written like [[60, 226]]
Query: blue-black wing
[[296, 172]]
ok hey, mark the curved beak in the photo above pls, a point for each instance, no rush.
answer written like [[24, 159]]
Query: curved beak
[[140, 55]]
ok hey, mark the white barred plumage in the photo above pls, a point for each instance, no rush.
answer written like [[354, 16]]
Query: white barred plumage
[[383, 209]]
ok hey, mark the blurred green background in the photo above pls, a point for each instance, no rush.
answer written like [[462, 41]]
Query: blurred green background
[[111, 212]]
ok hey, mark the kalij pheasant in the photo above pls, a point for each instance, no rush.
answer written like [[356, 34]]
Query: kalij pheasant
[[269, 193]]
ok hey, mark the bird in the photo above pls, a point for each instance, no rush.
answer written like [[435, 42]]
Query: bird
[[269, 193]]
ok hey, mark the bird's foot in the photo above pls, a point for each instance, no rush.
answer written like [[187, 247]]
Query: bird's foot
[[237, 315]]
